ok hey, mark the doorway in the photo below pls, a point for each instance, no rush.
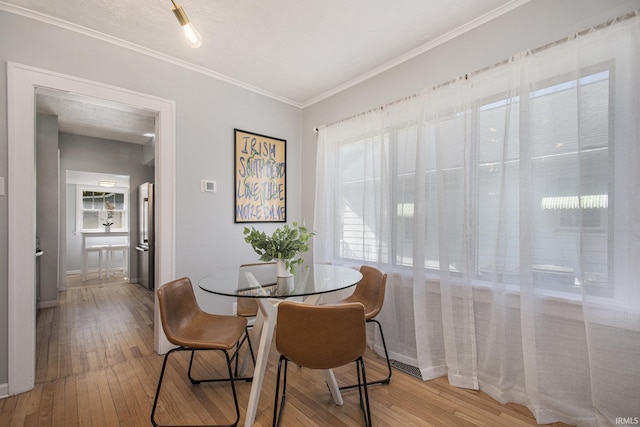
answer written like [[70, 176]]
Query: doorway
[[85, 199], [22, 82]]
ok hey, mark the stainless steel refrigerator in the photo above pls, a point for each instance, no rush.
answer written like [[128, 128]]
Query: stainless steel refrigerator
[[145, 246]]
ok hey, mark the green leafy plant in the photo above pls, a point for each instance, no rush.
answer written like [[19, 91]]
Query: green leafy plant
[[286, 244]]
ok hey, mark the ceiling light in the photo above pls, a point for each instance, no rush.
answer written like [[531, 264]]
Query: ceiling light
[[193, 37], [106, 183], [149, 134]]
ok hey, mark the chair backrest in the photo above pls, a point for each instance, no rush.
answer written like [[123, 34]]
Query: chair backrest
[[178, 305], [370, 290], [265, 273], [321, 337]]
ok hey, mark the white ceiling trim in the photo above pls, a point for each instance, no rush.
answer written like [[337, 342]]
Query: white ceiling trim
[[420, 50], [17, 10], [208, 72]]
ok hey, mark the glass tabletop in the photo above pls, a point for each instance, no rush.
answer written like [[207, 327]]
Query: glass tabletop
[[261, 281]]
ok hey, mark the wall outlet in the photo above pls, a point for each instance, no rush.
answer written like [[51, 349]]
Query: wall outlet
[[235, 308]]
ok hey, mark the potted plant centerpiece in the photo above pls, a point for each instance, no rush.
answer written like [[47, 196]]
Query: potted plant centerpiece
[[285, 246], [108, 222]]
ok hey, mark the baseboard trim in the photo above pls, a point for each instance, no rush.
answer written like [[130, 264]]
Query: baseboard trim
[[4, 390], [48, 304]]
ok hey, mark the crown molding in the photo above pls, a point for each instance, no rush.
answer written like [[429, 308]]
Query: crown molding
[[17, 10], [506, 8]]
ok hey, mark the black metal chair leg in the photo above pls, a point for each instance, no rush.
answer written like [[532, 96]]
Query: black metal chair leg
[[366, 409], [386, 355], [193, 381], [277, 413], [385, 380], [230, 379], [253, 358], [155, 400], [233, 387]]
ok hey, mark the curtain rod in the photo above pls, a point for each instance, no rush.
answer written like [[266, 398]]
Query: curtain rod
[[605, 24], [381, 107]]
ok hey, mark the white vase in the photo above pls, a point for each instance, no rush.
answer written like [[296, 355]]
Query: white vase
[[107, 229], [282, 269]]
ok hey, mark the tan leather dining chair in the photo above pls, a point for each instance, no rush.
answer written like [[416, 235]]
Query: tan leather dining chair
[[191, 329], [321, 337], [370, 293]]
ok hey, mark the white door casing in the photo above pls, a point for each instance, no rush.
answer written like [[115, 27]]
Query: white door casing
[[22, 82]]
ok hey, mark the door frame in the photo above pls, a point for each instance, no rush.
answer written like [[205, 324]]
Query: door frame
[[22, 81]]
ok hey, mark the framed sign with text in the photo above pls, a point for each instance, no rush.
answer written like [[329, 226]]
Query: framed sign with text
[[260, 178]]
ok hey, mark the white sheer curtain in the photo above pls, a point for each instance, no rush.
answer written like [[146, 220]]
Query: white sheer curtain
[[504, 207]]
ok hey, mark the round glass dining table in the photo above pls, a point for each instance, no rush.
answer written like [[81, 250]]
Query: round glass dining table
[[260, 281]]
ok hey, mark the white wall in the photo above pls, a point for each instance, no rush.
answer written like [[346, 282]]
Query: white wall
[[47, 211], [207, 112]]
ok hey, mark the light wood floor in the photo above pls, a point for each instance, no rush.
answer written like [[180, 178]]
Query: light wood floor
[[96, 367]]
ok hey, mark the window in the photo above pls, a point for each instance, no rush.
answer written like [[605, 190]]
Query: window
[[361, 175], [475, 179], [92, 208]]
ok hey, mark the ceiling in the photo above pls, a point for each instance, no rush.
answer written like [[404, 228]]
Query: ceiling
[[296, 51], [96, 118]]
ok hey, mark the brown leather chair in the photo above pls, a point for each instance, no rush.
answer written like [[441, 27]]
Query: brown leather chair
[[191, 329], [321, 337], [370, 293]]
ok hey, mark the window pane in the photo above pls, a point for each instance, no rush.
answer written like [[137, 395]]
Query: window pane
[[554, 120], [87, 203], [119, 201], [472, 188], [117, 220], [451, 139], [110, 198], [498, 191], [570, 184], [497, 123], [91, 220], [498, 243], [405, 230], [568, 195], [94, 210], [98, 202], [360, 173], [454, 221]]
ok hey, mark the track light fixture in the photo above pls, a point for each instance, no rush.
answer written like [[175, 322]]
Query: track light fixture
[[193, 37]]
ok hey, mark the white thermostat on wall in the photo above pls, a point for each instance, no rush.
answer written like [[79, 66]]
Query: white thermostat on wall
[[208, 186]]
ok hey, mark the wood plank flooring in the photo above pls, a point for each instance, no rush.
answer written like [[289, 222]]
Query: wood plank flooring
[[96, 367]]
